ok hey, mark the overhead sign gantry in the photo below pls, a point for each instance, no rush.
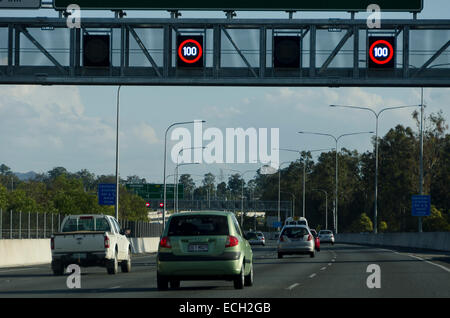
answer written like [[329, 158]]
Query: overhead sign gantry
[[278, 5]]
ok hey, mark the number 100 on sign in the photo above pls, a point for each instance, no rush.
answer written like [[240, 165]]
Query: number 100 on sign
[[382, 52], [190, 51]]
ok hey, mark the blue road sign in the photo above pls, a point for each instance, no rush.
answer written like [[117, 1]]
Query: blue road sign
[[107, 194], [276, 224], [421, 205]]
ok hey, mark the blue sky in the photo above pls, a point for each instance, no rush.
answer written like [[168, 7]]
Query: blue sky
[[74, 127]]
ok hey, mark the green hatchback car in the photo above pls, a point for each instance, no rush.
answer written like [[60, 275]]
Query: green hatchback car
[[203, 246]]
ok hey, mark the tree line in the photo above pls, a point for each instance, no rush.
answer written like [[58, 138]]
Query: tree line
[[398, 180], [59, 191]]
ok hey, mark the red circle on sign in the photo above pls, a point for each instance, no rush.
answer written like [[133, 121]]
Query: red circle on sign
[[200, 51], [391, 52]]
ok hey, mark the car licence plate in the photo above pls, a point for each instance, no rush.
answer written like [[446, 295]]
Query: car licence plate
[[198, 248]]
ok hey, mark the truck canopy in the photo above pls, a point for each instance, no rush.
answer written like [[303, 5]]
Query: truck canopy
[[86, 223]]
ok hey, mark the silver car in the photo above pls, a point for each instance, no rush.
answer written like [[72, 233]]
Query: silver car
[[326, 236], [255, 239], [296, 239]]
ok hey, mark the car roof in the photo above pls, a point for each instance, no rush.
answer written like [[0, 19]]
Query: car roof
[[219, 213], [295, 225]]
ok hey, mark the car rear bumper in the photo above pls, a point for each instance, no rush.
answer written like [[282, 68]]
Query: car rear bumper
[[82, 259], [199, 266], [295, 248]]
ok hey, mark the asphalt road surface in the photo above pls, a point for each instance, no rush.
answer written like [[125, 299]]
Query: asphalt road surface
[[336, 271]]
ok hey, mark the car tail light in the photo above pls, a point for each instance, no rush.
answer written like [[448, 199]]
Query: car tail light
[[309, 237], [231, 241], [106, 241], [165, 242], [52, 243], [281, 239]]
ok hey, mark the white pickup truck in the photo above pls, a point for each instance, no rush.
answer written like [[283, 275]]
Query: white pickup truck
[[90, 240]]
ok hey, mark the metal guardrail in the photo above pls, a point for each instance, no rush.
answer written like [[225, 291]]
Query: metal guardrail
[[33, 225]]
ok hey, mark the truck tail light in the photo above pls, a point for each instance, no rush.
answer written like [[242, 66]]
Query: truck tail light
[[106, 241], [231, 241], [165, 242], [52, 243]]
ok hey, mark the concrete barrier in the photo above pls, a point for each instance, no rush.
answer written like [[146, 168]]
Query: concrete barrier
[[144, 245], [426, 240], [24, 252], [37, 251]]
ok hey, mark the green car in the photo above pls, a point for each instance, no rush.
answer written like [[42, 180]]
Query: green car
[[203, 246]]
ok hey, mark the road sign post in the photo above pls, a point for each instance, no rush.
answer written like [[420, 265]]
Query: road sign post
[[421, 205], [107, 194]]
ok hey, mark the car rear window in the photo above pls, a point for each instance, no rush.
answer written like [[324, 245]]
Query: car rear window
[[86, 224], [325, 232], [295, 232], [251, 235], [194, 225]]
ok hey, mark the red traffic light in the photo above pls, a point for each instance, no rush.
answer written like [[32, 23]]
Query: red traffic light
[[161, 205]]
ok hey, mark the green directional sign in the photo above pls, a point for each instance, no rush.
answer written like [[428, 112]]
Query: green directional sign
[[251, 5], [155, 191]]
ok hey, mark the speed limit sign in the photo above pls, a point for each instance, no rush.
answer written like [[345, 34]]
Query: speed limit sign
[[190, 51], [381, 52]]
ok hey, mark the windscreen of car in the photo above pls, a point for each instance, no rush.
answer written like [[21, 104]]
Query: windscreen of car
[[197, 225], [86, 224], [295, 232]]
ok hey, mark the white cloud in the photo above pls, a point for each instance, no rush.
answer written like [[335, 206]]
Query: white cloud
[[48, 124], [145, 133]]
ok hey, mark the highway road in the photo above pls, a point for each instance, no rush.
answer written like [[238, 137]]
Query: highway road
[[336, 271]]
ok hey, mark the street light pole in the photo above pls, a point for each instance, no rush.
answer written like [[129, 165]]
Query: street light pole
[[176, 180], [304, 171], [421, 154], [293, 201], [336, 176], [175, 191], [117, 154], [279, 191], [242, 192], [165, 162], [377, 115], [326, 206]]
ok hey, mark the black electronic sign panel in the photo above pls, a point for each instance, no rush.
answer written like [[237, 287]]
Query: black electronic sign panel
[[286, 52], [190, 51], [381, 52]]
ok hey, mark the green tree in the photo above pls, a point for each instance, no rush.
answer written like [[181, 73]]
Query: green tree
[[3, 197], [18, 201], [362, 224], [436, 222]]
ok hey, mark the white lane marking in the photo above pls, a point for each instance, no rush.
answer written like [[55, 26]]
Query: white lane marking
[[313, 275], [115, 287], [293, 286], [424, 260], [329, 264], [323, 268]]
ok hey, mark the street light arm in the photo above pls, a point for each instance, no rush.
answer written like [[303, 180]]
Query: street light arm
[[358, 133], [314, 133], [357, 107], [396, 107]]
